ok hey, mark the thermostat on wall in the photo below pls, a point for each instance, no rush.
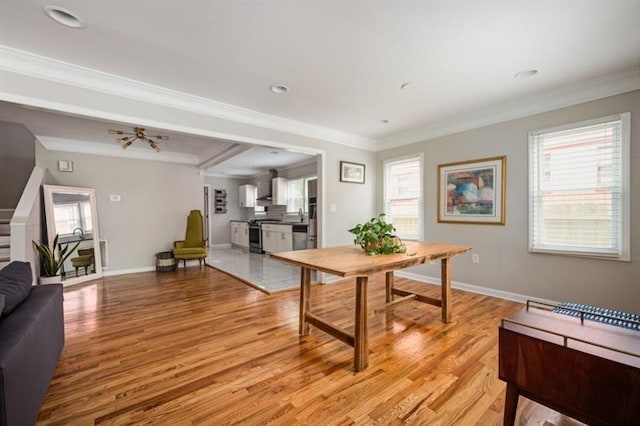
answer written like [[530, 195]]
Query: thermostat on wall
[[65, 166]]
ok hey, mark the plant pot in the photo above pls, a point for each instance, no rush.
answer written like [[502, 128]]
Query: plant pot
[[50, 280], [374, 244]]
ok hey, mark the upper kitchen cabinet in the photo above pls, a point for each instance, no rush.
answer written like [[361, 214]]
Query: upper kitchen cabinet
[[279, 191], [247, 195], [272, 190]]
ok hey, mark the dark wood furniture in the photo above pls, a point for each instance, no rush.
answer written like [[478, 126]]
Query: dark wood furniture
[[351, 261], [581, 368]]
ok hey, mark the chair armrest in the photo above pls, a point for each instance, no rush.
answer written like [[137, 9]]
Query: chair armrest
[[178, 244]]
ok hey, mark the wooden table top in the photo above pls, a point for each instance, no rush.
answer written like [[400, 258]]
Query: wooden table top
[[348, 261]]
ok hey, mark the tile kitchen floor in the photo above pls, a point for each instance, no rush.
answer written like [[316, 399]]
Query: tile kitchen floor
[[258, 269]]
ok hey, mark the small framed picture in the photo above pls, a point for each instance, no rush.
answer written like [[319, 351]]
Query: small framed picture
[[472, 191], [65, 166], [351, 172]]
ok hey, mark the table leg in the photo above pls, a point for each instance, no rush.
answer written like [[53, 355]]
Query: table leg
[[445, 267], [389, 284], [510, 405], [361, 335], [305, 289]]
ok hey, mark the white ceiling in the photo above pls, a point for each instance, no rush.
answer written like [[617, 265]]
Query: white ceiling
[[343, 61]]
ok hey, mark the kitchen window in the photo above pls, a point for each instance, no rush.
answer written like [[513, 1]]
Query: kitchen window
[[403, 196], [297, 195], [579, 189]]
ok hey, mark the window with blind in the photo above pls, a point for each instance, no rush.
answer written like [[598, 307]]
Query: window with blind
[[297, 194], [402, 196], [579, 189]]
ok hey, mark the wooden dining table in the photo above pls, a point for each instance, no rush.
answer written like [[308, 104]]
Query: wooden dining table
[[352, 261]]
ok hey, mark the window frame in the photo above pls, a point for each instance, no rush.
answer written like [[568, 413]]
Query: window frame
[[419, 236], [624, 254]]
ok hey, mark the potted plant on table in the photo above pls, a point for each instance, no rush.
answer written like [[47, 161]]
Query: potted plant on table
[[50, 265], [377, 237]]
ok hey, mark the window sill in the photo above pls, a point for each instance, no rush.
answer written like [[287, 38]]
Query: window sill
[[621, 258]]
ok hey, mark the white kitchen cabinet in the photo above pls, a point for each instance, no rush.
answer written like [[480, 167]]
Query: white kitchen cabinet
[[243, 235], [247, 195], [276, 238], [269, 238], [284, 239], [240, 234], [279, 191]]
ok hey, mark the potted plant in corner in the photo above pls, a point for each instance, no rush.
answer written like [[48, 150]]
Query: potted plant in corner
[[49, 265], [377, 237]]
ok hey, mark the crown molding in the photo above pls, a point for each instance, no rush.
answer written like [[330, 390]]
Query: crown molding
[[93, 148], [609, 85], [41, 67]]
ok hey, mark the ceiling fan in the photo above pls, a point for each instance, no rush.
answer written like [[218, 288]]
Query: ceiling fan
[[138, 134]]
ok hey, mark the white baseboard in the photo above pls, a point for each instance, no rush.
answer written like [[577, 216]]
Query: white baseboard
[[220, 246], [128, 271], [500, 294]]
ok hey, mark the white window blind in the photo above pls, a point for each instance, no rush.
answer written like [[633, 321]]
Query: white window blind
[[578, 189], [403, 193]]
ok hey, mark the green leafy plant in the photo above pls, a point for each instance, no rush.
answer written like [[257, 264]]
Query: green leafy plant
[[50, 265], [377, 237]]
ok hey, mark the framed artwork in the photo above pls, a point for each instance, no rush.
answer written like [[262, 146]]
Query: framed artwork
[[472, 191], [351, 172]]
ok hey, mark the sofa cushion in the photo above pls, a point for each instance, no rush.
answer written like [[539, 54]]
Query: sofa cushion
[[15, 284]]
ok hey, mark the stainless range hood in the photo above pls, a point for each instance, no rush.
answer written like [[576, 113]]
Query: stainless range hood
[[265, 186]]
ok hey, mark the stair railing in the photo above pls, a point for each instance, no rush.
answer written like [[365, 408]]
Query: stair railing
[[25, 224]]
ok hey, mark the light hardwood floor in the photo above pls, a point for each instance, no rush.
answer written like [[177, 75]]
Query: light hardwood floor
[[200, 347]]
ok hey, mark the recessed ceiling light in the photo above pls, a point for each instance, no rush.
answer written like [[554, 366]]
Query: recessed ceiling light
[[64, 17], [279, 88], [383, 121], [407, 85], [526, 73]]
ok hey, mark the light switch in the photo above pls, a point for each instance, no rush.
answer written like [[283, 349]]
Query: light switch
[[114, 197], [332, 208]]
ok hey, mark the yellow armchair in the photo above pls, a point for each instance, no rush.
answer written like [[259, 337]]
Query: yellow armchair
[[194, 246]]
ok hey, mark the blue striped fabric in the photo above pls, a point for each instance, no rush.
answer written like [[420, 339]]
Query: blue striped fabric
[[593, 313]]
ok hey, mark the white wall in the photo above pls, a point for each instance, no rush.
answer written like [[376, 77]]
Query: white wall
[[156, 198], [505, 263], [220, 226]]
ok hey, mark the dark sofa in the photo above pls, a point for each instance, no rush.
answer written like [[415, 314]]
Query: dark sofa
[[31, 341]]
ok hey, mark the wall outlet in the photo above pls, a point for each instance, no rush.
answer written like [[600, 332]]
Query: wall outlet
[[332, 208], [114, 197], [475, 258]]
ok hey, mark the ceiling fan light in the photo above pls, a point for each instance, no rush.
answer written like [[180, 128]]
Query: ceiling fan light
[[138, 135]]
